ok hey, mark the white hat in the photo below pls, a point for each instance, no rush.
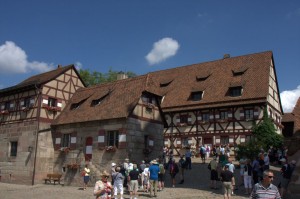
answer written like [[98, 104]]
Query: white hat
[[293, 161], [154, 162], [113, 164], [282, 160]]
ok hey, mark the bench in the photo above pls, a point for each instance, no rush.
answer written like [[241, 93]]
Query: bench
[[53, 177]]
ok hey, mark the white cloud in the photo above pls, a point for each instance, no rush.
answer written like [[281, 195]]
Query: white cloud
[[13, 59], [162, 50], [289, 99], [78, 65]]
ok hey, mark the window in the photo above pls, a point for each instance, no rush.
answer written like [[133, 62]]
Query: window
[[249, 114], [6, 106], [52, 102], [66, 140], [224, 140], [112, 138], [196, 96], [184, 119], [223, 115], [13, 148], [185, 142], [205, 117], [146, 98], [235, 91]]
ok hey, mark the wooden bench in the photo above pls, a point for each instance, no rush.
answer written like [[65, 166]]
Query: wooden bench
[[53, 177]]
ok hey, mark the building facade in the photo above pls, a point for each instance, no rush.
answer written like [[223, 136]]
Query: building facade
[[26, 112]]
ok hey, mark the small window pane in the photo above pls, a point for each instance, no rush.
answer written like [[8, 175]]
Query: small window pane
[[13, 149]]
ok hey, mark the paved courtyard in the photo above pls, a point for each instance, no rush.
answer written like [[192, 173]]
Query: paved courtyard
[[196, 185]]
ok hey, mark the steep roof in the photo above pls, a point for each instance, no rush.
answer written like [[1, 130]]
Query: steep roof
[[37, 80], [214, 78], [117, 100]]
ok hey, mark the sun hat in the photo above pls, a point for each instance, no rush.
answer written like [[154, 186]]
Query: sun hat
[[113, 164], [105, 173], [282, 160], [154, 161]]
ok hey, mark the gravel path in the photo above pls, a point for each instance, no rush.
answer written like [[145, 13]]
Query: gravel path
[[196, 185]]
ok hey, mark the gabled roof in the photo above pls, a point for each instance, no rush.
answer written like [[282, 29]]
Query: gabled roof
[[119, 99], [254, 81], [38, 80]]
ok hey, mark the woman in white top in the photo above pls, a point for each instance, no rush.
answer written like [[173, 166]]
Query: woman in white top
[[86, 176]]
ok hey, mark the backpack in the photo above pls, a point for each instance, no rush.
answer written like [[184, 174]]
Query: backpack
[[201, 150], [162, 169], [288, 172]]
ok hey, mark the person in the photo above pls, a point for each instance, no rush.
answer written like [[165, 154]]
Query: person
[[202, 154], [207, 151], [286, 174], [255, 170], [133, 177], [227, 179], [247, 177], [154, 170], [173, 171], [112, 171], [146, 175], [213, 173], [161, 176], [188, 156], [118, 179], [86, 176], [103, 188], [231, 168], [243, 162], [266, 161], [124, 171], [265, 189], [141, 169], [182, 166]]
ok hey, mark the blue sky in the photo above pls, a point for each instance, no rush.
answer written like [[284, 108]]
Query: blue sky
[[143, 36]]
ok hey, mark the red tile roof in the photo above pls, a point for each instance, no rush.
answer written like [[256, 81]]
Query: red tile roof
[[38, 80], [296, 113], [254, 80], [120, 97], [176, 85]]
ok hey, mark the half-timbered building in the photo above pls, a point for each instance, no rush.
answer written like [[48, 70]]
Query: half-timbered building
[[26, 112], [107, 123], [217, 102]]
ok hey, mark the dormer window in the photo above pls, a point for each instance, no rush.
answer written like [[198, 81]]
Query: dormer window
[[77, 105], [197, 95], [239, 71], [165, 83], [98, 101], [235, 91], [202, 77]]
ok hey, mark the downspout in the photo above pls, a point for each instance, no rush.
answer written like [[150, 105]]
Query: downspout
[[37, 134]]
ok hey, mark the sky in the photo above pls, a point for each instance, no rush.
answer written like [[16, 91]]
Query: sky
[[144, 36]]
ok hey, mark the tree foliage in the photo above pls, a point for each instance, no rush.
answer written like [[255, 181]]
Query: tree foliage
[[264, 136], [92, 78]]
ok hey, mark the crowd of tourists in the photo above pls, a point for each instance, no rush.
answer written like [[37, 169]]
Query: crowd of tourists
[[149, 177]]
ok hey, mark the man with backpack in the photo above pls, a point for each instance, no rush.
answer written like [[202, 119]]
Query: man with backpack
[[286, 174], [161, 176]]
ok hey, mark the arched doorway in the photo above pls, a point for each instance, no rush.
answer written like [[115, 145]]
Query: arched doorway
[[88, 148]]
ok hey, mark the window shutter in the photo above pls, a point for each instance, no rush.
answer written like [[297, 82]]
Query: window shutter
[[242, 117], [59, 104], [178, 143], [189, 119], [57, 140], [256, 113], [217, 115], [45, 101], [101, 138], [73, 140], [177, 120], [122, 138]]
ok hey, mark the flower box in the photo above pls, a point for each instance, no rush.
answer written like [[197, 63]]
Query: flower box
[[110, 149], [73, 166]]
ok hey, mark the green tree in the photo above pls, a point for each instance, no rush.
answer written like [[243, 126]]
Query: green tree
[[264, 136], [92, 78]]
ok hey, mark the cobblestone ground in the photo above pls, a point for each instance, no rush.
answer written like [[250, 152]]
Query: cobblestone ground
[[196, 185]]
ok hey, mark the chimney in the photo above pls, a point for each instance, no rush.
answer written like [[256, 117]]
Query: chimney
[[121, 75], [226, 56], [59, 66]]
